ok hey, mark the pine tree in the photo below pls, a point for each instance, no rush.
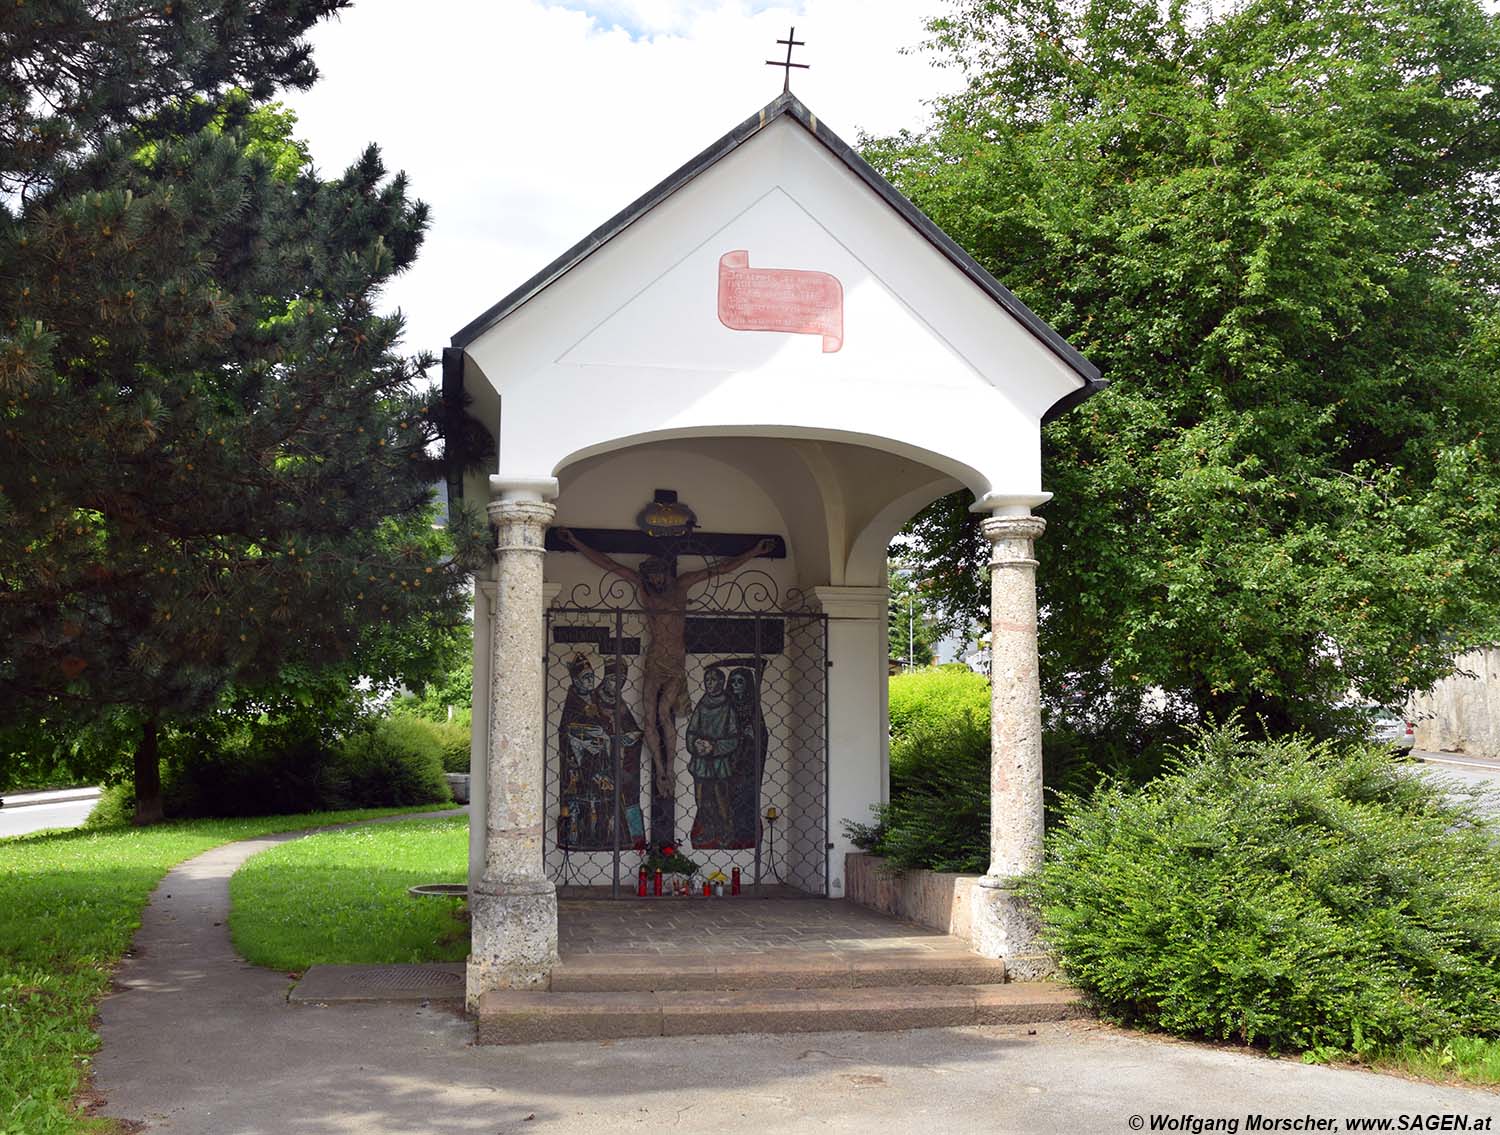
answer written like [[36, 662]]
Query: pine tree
[[215, 465]]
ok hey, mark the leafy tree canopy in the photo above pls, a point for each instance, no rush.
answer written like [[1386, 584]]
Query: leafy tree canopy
[[1274, 228], [911, 623], [215, 464]]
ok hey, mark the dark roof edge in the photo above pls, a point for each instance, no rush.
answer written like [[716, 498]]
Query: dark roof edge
[[788, 104], [1074, 397]]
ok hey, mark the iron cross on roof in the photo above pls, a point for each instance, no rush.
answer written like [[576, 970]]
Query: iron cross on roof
[[791, 41]]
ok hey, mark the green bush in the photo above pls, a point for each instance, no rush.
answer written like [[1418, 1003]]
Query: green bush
[[939, 694], [454, 739], [114, 808], [295, 763], [396, 760], [938, 817], [1282, 892], [939, 814], [452, 736]]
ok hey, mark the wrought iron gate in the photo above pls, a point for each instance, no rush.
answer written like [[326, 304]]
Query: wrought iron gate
[[745, 785]]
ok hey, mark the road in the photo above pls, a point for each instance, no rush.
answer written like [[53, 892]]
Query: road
[[1467, 771], [34, 811]]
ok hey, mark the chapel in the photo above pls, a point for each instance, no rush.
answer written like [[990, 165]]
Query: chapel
[[712, 415]]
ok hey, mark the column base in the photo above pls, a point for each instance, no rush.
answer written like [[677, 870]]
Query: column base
[[1005, 925], [512, 937]]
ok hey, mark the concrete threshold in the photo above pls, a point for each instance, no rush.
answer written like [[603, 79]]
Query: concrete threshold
[[517, 1017]]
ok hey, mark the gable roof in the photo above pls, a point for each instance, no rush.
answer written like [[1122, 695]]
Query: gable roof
[[789, 106]]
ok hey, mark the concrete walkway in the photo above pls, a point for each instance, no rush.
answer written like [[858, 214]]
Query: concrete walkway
[[196, 1040]]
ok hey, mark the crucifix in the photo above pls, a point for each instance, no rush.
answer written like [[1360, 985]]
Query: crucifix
[[791, 41], [663, 595]]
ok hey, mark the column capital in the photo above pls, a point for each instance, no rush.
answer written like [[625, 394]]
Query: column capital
[[852, 602], [522, 524], [1011, 539], [506, 511], [997, 528], [523, 488]]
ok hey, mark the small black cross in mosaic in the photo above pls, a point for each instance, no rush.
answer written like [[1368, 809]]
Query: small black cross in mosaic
[[791, 41]]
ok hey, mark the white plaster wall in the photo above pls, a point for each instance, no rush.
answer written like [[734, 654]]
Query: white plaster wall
[[629, 347], [1461, 714], [857, 715]]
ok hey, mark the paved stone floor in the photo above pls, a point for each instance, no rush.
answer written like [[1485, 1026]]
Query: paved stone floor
[[734, 926]]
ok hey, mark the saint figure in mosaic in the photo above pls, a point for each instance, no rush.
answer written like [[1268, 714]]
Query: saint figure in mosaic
[[593, 721], [713, 739], [749, 769]]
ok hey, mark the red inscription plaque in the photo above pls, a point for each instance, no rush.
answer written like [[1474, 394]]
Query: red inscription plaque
[[780, 299]]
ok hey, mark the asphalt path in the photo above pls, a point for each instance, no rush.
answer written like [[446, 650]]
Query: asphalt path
[[26, 813]]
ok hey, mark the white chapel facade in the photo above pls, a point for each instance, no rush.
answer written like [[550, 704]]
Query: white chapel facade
[[780, 343]]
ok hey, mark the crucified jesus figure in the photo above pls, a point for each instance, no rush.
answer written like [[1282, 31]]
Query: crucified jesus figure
[[663, 594]]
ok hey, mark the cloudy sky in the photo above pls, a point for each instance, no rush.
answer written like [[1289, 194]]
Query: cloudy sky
[[526, 123]]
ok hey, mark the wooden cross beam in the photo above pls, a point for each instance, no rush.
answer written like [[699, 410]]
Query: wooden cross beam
[[632, 541]]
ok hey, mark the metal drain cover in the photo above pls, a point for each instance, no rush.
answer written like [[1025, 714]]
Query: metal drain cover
[[438, 982]]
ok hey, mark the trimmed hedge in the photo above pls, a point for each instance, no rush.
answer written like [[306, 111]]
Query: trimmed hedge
[[1282, 892], [292, 765], [397, 761], [934, 697], [454, 739]]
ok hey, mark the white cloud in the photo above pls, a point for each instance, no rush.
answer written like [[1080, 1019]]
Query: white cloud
[[525, 124]]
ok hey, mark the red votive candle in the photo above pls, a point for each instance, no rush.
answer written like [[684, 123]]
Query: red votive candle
[[656, 884], [734, 881], [640, 882], [708, 889]]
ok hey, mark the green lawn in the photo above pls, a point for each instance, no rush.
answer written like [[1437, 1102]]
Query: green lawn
[[69, 903], [1470, 1060], [341, 897]]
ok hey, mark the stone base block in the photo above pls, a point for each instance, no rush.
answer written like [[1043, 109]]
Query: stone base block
[[513, 937], [1006, 926]]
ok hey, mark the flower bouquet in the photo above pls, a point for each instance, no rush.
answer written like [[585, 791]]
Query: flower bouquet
[[669, 861]]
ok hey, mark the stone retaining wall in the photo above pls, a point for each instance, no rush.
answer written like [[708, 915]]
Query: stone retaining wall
[[1462, 714], [458, 784], [930, 898]]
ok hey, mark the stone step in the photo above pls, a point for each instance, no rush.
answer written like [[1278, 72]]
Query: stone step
[[516, 1017], [788, 969]]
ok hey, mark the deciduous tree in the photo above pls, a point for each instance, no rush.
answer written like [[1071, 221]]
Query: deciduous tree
[[1274, 227]]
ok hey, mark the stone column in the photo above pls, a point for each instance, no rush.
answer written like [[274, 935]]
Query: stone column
[[1004, 926], [479, 729], [514, 907]]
